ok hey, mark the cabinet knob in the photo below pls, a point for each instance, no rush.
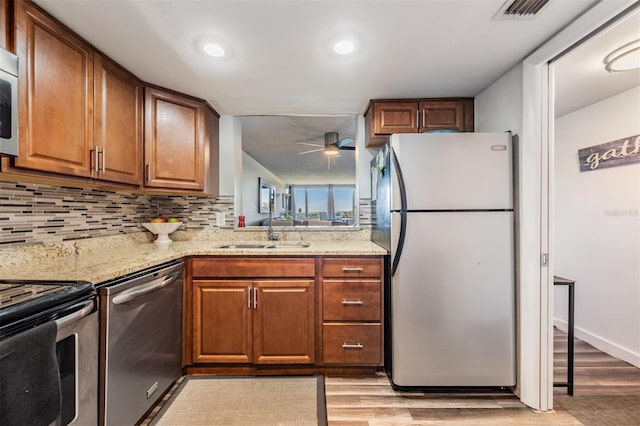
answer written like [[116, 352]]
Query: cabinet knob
[[352, 269], [358, 345], [352, 302]]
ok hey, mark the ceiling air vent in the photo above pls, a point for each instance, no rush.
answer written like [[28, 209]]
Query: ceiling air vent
[[520, 9]]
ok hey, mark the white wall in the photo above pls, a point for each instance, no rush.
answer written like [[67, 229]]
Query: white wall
[[597, 228], [499, 108], [251, 171]]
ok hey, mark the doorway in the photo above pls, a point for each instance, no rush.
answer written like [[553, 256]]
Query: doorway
[[595, 181]]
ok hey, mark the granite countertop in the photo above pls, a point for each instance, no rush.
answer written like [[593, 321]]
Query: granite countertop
[[103, 262]]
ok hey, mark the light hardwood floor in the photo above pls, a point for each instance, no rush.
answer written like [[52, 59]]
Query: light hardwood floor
[[372, 401], [606, 389], [606, 392]]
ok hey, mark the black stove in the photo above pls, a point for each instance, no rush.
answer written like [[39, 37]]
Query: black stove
[[27, 303]]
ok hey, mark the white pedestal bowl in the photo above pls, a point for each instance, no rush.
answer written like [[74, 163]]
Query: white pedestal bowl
[[162, 230]]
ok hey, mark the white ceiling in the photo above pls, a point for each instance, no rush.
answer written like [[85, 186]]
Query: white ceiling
[[580, 77], [273, 141], [282, 63]]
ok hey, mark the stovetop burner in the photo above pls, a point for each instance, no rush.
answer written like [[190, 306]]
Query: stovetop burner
[[20, 299], [11, 294]]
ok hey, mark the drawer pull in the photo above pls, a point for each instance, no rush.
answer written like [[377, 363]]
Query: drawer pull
[[352, 269], [352, 302], [352, 345]]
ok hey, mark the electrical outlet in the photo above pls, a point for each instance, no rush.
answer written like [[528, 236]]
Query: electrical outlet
[[220, 219]]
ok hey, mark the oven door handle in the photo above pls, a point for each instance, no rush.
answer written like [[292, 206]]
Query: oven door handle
[[157, 284], [86, 309]]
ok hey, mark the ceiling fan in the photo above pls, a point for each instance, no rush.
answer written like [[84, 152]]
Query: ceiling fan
[[332, 145]]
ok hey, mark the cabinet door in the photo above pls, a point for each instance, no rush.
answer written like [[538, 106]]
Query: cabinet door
[[284, 325], [56, 95], [222, 321], [173, 140], [442, 115], [395, 117], [4, 23], [118, 122]]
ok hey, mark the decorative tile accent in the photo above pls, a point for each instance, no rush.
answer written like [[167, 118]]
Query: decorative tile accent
[[39, 213], [367, 210], [45, 214]]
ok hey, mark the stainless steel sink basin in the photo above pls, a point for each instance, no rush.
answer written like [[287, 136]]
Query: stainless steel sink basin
[[287, 245], [243, 246], [272, 245]]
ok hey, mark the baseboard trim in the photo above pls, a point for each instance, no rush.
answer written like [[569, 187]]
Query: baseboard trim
[[601, 343]]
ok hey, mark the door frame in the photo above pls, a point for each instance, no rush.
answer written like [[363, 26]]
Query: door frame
[[536, 328]]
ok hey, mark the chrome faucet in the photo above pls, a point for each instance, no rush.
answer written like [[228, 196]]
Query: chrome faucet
[[271, 236]]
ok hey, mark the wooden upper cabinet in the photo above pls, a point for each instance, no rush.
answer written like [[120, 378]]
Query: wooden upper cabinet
[[56, 95], [212, 152], [80, 112], [174, 139], [118, 122], [395, 117], [385, 117], [4, 24], [446, 115]]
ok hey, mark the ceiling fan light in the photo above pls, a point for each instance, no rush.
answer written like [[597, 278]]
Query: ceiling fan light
[[624, 58], [331, 151]]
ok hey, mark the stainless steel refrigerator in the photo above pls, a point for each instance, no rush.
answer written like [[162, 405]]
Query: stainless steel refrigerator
[[444, 210]]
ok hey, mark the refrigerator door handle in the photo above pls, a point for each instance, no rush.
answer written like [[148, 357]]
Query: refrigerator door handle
[[403, 213]]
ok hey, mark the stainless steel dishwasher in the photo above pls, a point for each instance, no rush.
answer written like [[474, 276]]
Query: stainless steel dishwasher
[[140, 341]]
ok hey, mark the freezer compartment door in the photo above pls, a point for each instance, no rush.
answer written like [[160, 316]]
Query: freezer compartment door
[[453, 171], [452, 301]]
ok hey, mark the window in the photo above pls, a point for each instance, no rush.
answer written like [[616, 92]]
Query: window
[[332, 203]]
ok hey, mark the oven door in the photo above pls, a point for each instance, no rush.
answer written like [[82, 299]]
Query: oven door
[[8, 103], [77, 353]]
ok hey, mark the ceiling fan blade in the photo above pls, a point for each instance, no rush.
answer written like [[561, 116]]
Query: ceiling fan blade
[[344, 141], [313, 150], [347, 148], [307, 143]]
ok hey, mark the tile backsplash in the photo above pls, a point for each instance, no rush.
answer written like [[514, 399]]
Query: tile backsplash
[[40, 213]]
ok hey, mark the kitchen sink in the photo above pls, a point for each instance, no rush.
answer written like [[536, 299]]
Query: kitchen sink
[[287, 245], [271, 245], [243, 246]]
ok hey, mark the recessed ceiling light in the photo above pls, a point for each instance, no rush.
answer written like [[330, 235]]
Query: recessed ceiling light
[[214, 49], [344, 47]]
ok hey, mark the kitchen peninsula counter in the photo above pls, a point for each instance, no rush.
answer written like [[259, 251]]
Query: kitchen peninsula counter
[[95, 262]]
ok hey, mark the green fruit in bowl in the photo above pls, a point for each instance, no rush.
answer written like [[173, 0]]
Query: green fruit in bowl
[[173, 219]]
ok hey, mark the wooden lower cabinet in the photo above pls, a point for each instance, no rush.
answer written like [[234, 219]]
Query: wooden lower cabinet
[[352, 306], [284, 322], [352, 343], [222, 330], [283, 314], [261, 312]]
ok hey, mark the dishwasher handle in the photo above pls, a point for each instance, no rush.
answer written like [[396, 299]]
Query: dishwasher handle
[[157, 284]]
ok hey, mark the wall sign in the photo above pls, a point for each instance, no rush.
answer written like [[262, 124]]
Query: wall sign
[[611, 154]]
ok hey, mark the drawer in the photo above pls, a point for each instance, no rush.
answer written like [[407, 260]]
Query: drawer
[[253, 267], [355, 344], [352, 267], [352, 300]]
